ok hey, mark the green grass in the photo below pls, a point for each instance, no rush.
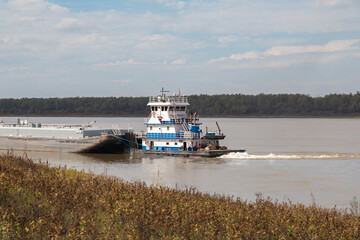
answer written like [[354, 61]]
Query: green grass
[[42, 202]]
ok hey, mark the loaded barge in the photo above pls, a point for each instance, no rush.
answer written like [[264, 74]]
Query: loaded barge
[[26, 136], [172, 131]]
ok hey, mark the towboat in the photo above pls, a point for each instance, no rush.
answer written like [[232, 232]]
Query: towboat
[[171, 130]]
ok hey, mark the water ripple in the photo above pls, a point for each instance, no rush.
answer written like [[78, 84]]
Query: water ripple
[[290, 156]]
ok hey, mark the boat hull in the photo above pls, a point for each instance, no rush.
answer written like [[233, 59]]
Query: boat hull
[[208, 153], [100, 144]]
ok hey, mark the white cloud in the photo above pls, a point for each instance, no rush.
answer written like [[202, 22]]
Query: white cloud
[[14, 69], [57, 9], [28, 5], [123, 82], [119, 63], [157, 41], [35, 6], [228, 39], [262, 17], [173, 3], [20, 68], [284, 62], [70, 24], [221, 59], [248, 55], [179, 61], [316, 58], [332, 46], [332, 3], [285, 56]]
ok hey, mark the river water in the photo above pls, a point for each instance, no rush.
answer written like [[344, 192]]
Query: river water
[[302, 160]]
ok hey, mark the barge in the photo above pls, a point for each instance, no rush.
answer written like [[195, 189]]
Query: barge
[[26, 136], [172, 131]]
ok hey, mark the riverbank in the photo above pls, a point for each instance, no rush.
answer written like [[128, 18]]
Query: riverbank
[[315, 116], [38, 201], [224, 105]]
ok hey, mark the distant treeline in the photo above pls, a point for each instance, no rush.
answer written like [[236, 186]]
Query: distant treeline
[[205, 105]]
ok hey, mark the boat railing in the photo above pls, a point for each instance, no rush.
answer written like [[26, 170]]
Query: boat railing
[[141, 134], [172, 99], [182, 135], [182, 121], [170, 121]]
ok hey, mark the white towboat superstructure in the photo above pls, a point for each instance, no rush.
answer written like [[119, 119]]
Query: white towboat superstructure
[[171, 130]]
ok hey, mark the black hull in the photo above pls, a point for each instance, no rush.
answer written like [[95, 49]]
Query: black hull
[[209, 153], [112, 144], [217, 137]]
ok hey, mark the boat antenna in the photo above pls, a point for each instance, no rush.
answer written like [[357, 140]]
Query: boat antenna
[[163, 93]]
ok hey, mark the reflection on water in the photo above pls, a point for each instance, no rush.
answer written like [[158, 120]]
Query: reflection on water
[[111, 158], [286, 159]]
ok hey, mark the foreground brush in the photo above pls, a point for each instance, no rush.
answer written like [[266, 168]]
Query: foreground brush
[[42, 202]]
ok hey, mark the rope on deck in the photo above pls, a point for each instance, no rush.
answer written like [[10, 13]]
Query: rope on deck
[[127, 140]]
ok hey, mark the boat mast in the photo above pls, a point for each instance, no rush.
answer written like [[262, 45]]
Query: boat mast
[[163, 93]]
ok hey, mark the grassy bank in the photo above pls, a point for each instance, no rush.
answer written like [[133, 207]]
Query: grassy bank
[[41, 202]]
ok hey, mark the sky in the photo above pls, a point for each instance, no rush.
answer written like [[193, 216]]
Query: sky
[[69, 48]]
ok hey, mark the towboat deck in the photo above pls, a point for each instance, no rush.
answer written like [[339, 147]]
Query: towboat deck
[[207, 153]]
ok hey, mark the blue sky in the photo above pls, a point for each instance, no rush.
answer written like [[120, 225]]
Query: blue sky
[[135, 47]]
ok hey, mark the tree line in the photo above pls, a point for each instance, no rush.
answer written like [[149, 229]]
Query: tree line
[[205, 105], [277, 105]]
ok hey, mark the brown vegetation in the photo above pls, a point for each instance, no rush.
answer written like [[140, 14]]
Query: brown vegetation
[[42, 202]]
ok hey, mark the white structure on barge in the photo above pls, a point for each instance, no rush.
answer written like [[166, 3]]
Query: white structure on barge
[[63, 138]]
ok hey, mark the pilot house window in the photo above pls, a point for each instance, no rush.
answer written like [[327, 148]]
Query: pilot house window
[[180, 108]]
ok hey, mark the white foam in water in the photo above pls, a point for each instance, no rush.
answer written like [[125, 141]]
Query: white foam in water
[[289, 156]]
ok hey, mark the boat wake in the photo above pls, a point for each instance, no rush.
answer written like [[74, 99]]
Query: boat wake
[[291, 156]]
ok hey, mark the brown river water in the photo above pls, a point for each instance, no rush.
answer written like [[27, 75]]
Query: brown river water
[[304, 160]]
